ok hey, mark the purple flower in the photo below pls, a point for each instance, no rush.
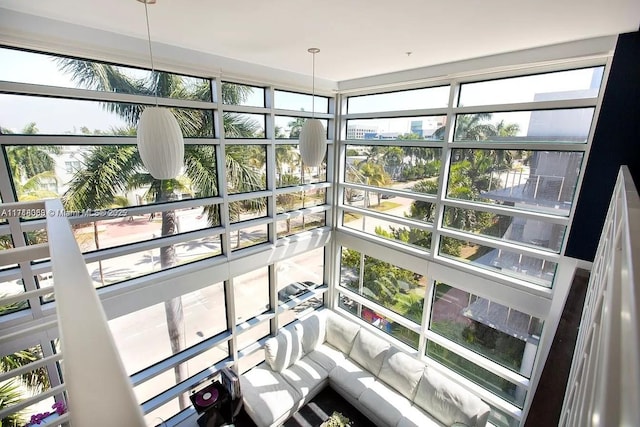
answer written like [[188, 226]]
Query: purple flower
[[39, 418], [59, 407]]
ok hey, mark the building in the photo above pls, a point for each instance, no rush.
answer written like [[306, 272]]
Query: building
[[361, 132], [236, 247]]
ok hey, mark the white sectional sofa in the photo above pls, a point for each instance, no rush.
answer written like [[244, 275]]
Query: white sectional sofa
[[388, 386]]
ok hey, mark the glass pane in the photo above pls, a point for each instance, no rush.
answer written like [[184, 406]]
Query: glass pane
[[251, 292], [287, 202], [289, 171], [298, 224], [246, 168], [388, 326], [395, 288], [415, 99], [390, 204], [497, 332], [425, 128], [513, 264], [299, 274], [105, 176], [125, 267], [478, 375], [543, 181], [289, 127], [20, 387], [6, 241], [27, 115], [132, 229], [249, 236], [247, 209], [250, 361], [528, 231], [388, 229], [36, 68], [237, 94], [300, 102], [11, 288], [527, 127], [300, 310], [500, 418], [243, 125], [401, 168], [142, 337], [572, 84], [167, 379], [254, 334]]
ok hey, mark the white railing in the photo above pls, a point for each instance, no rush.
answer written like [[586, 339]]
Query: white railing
[[100, 392], [604, 382], [98, 389]]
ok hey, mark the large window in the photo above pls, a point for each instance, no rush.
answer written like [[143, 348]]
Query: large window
[[473, 184], [242, 205]]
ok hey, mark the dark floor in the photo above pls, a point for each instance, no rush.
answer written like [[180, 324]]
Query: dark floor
[[316, 411], [547, 403]]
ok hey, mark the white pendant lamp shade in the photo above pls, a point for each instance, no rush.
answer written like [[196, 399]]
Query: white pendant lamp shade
[[313, 136], [313, 142], [160, 143]]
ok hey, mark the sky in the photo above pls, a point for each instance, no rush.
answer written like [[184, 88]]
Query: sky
[[57, 116]]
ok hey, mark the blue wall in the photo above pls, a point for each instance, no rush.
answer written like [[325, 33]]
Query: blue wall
[[616, 142]]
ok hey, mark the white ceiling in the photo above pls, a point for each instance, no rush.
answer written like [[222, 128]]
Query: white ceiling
[[357, 38]]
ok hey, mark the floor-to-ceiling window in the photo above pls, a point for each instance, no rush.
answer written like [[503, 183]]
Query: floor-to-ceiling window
[[194, 271], [454, 201]]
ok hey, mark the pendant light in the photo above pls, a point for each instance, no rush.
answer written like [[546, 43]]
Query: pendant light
[[313, 140], [160, 141]]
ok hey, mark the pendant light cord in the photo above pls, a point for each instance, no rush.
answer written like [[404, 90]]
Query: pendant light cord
[[153, 69], [313, 86]]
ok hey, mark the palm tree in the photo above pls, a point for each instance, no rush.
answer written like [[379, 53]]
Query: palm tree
[[10, 395], [295, 127], [285, 155], [375, 175], [31, 166], [110, 170], [36, 380], [472, 127]]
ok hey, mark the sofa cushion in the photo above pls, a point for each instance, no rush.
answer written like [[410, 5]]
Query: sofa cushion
[[416, 417], [449, 402], [305, 376], [386, 403], [326, 356], [267, 395], [341, 332], [283, 350], [312, 330], [351, 378], [369, 351], [402, 372]]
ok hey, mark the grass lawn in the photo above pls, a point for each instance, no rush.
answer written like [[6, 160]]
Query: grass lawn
[[384, 206]]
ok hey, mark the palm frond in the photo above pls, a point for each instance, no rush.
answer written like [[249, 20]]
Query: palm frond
[[106, 173]]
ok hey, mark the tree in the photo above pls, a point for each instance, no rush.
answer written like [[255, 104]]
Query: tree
[[110, 170], [10, 395], [285, 155], [295, 127], [381, 279], [37, 379], [374, 175], [31, 166]]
